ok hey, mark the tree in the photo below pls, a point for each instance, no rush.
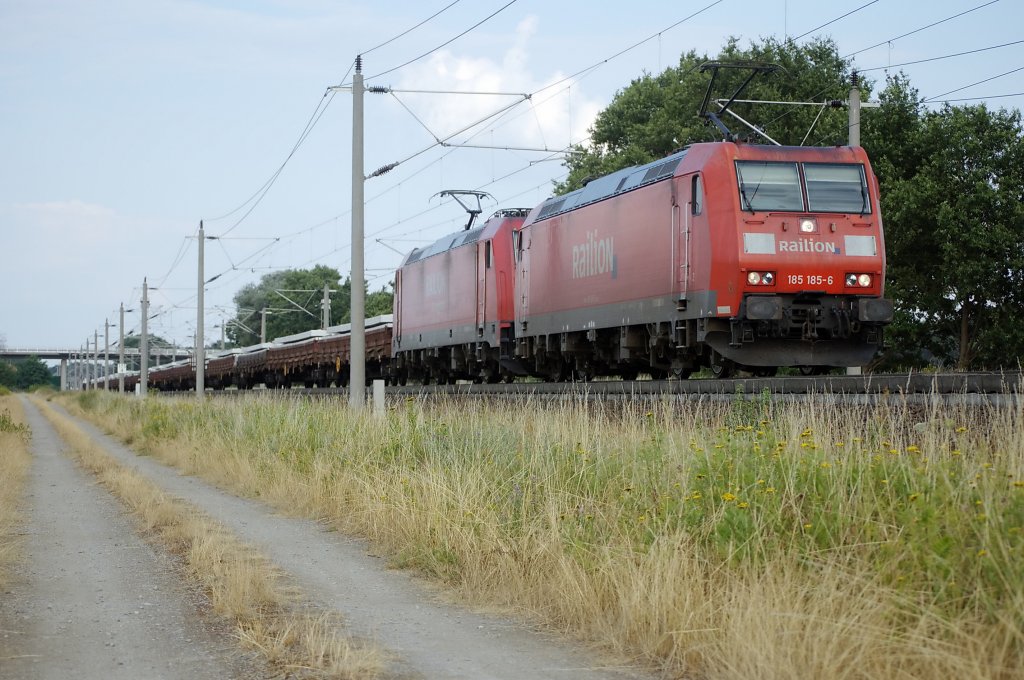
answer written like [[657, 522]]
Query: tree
[[293, 312], [953, 186], [656, 115], [32, 372], [8, 375]]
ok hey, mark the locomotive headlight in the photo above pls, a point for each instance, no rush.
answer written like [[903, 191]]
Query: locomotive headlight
[[808, 226], [768, 278], [864, 280], [761, 278], [851, 280], [754, 278]]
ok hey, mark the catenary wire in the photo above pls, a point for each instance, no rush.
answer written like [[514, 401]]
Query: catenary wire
[[447, 42], [410, 30], [945, 56], [918, 30], [829, 23]]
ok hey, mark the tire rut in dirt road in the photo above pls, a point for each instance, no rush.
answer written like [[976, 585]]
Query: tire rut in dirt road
[[430, 638], [90, 599]]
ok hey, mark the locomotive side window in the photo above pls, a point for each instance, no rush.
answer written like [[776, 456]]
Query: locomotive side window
[[836, 188], [769, 186], [517, 245], [697, 196], [487, 255]]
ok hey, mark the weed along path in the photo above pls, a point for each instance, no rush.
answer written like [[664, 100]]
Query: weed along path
[[423, 636], [89, 599]]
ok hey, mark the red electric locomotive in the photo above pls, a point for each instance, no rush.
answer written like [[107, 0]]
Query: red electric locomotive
[[723, 254], [453, 306]]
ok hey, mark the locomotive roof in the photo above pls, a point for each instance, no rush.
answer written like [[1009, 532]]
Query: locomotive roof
[[462, 237], [618, 182]]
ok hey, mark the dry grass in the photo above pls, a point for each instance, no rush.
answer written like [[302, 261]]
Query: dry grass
[[14, 466], [241, 585], [715, 540]]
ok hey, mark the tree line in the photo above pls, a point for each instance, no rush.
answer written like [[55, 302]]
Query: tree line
[[24, 374]]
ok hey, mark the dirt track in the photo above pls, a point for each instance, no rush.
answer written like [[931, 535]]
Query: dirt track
[[424, 636], [90, 599]]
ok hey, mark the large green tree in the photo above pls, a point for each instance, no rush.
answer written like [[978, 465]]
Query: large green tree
[[293, 299], [953, 201], [658, 114]]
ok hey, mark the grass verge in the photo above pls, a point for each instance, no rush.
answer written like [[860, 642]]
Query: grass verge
[[14, 466], [242, 586], [716, 540]]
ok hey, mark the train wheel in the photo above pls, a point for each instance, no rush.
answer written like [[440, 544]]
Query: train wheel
[[721, 367], [508, 378], [628, 373], [765, 371], [680, 373]]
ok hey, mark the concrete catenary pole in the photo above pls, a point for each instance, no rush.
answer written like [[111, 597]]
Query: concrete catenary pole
[[95, 360], [854, 141], [357, 360], [325, 307], [106, 354], [200, 331], [263, 325], [854, 111], [144, 341], [120, 355]]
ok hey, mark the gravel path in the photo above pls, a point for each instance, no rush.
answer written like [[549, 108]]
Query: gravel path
[[427, 638], [90, 599]]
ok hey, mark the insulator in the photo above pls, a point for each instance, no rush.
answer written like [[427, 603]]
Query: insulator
[[378, 89], [359, 63], [383, 169]]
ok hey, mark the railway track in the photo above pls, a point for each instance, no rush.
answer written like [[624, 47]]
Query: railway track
[[994, 388]]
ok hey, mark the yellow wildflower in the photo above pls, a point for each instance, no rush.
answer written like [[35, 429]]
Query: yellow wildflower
[[728, 497]]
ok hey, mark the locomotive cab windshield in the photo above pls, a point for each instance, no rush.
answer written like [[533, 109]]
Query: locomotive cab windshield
[[768, 186]]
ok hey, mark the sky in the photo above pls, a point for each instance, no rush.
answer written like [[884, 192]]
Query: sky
[[123, 123]]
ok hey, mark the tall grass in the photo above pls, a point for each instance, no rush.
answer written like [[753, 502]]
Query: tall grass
[[726, 540], [14, 466]]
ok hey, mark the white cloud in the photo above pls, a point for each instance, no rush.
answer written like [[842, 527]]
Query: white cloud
[[553, 119]]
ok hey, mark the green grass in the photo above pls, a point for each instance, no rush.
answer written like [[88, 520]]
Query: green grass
[[890, 535]]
